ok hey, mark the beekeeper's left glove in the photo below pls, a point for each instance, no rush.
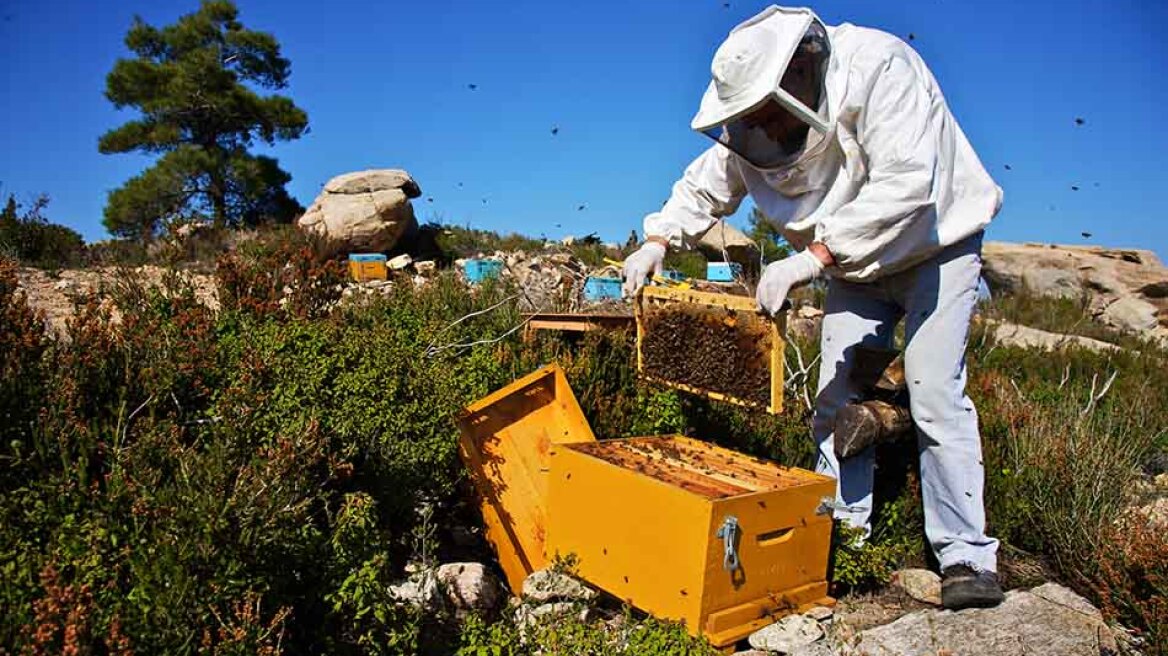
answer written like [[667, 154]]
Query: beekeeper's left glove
[[779, 277], [647, 261]]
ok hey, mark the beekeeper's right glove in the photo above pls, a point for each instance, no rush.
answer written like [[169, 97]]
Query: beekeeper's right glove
[[647, 261], [779, 277]]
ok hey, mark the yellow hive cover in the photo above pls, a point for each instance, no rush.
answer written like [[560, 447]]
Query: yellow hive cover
[[505, 440]]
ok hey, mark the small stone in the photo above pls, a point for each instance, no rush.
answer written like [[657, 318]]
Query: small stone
[[420, 590], [1161, 481], [470, 586], [547, 585], [787, 634], [920, 584], [526, 615], [820, 613], [400, 262]]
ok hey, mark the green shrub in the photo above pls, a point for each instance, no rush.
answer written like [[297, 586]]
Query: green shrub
[[31, 238]]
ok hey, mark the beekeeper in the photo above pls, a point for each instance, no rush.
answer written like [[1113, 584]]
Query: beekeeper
[[843, 139]]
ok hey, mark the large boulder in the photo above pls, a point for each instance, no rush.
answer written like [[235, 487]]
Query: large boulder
[[365, 211], [1126, 289]]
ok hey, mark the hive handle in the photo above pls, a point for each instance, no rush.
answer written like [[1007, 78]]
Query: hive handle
[[729, 536], [771, 538]]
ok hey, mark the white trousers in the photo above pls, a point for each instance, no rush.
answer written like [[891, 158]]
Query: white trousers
[[936, 299]]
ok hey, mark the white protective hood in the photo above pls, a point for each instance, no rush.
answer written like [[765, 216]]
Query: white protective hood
[[749, 66]]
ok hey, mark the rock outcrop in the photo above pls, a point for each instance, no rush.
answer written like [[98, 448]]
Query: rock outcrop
[[364, 211], [1049, 619], [1126, 289]]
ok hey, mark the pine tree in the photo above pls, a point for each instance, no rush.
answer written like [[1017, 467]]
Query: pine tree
[[194, 84]]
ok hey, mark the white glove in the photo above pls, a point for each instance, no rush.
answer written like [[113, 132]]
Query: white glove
[[779, 277], [648, 260]]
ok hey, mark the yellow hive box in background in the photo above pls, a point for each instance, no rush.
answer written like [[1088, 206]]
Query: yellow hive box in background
[[649, 519], [368, 266]]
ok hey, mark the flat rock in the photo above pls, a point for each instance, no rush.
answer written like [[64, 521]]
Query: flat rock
[[920, 584], [1049, 619], [546, 585], [820, 613], [1009, 334], [786, 635]]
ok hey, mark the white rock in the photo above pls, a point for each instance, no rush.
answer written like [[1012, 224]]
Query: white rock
[[820, 613], [920, 584], [526, 614], [400, 262], [546, 585], [421, 590], [363, 211], [1131, 314], [1049, 619], [1009, 334], [787, 634], [1161, 481], [470, 586]]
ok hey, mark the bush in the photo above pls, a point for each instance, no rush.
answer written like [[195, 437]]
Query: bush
[[29, 237], [248, 480]]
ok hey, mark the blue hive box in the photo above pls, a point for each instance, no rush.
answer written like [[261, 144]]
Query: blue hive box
[[723, 271], [600, 289], [479, 270], [672, 274]]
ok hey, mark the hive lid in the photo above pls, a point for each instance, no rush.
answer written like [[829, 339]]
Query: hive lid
[[505, 438], [367, 257]]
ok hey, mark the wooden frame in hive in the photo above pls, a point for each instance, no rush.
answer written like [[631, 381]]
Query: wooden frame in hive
[[737, 314]]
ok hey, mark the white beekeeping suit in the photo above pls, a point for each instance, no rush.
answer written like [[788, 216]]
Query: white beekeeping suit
[[882, 192], [889, 182]]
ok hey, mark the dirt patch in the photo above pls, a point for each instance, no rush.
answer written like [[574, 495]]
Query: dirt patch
[[716, 350]]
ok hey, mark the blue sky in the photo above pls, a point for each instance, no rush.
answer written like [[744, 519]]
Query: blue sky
[[385, 84]]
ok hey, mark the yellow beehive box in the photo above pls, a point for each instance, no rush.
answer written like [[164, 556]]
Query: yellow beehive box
[[689, 531], [505, 441], [368, 266]]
